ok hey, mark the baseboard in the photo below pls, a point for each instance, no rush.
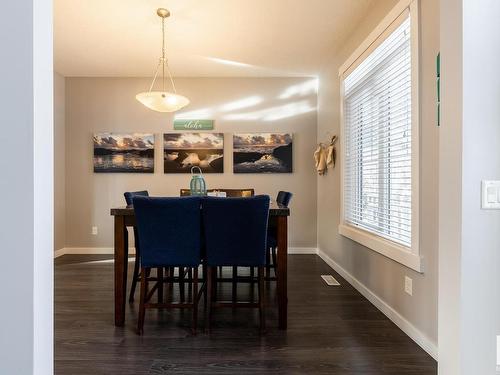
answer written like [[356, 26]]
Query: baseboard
[[88, 251], [59, 252], [302, 250], [131, 250], [415, 334]]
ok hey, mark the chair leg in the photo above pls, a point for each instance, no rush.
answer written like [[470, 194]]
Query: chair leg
[[167, 284], [210, 282], [268, 263], [181, 284], [205, 278], [159, 273], [172, 274], [142, 309], [135, 277], [262, 312], [252, 284], [195, 300], [235, 283], [275, 262], [213, 275], [190, 282]]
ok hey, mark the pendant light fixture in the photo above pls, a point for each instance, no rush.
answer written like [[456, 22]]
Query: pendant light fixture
[[162, 101]]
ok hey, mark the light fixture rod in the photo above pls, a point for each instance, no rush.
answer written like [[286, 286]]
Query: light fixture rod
[[163, 13], [155, 76], [163, 51], [171, 79]]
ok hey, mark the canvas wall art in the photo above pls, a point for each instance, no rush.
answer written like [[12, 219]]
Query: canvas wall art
[[262, 153], [124, 153], [182, 151]]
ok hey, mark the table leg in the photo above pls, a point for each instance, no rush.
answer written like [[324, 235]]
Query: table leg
[[282, 224], [121, 266]]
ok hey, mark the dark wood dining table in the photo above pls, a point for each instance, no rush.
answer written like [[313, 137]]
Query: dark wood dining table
[[125, 217]]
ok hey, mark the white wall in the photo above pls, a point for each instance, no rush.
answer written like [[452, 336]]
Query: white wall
[[109, 104], [59, 162], [469, 302], [26, 226], [380, 276], [480, 161]]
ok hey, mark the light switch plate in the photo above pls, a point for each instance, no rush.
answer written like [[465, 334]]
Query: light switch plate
[[490, 195]]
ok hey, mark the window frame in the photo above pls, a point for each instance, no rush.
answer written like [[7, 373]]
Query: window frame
[[408, 256]]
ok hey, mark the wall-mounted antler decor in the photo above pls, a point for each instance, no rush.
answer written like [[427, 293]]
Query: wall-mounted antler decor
[[325, 156]]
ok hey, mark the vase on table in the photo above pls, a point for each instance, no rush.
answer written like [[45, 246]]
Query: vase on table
[[197, 185]]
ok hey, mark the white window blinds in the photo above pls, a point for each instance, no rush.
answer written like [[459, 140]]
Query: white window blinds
[[377, 140]]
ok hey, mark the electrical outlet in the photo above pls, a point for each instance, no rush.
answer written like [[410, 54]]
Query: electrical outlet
[[94, 231], [408, 285]]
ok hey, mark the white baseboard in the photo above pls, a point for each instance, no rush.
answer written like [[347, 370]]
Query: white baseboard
[[415, 334], [302, 250], [59, 252], [88, 251], [131, 250]]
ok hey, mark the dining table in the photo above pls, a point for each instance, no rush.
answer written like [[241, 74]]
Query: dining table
[[125, 217]]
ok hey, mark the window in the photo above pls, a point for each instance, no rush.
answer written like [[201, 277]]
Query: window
[[380, 143]]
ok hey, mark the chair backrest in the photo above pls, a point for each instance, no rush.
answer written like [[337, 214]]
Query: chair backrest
[[284, 198], [129, 195], [235, 230], [169, 231], [233, 193]]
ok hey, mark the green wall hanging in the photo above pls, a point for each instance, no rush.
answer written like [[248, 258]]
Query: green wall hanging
[[438, 87], [193, 124]]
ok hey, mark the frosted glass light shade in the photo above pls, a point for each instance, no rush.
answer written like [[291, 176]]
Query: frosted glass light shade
[[162, 101]]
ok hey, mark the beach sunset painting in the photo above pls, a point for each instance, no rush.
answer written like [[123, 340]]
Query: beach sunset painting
[[182, 151], [124, 153], [262, 153]]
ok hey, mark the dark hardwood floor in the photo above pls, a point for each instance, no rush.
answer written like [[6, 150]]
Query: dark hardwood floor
[[332, 330]]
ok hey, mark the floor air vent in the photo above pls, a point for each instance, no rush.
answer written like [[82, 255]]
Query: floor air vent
[[330, 280]]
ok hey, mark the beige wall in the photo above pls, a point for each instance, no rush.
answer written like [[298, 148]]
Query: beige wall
[[379, 274], [450, 301], [108, 104], [59, 163]]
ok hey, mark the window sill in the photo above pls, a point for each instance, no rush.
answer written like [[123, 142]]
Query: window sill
[[382, 246]]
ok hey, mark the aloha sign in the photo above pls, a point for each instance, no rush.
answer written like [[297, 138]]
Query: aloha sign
[[193, 124]]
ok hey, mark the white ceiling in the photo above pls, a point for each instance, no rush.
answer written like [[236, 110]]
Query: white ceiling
[[122, 38]]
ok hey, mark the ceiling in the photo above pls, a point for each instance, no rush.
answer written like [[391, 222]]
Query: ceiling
[[205, 38]]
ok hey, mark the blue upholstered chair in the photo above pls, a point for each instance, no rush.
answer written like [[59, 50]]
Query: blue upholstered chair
[[230, 193], [169, 236], [129, 196], [235, 231], [283, 199]]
